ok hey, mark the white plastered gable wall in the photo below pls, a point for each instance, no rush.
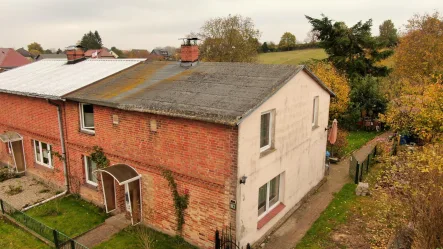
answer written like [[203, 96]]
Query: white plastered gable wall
[[299, 152]]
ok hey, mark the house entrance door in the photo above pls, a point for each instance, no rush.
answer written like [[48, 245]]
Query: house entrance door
[[19, 156]]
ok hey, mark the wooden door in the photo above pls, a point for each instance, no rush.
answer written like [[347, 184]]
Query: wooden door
[[108, 191], [134, 193], [19, 157]]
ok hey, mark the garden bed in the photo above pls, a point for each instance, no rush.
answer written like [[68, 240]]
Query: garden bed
[[69, 215], [24, 191], [137, 237]]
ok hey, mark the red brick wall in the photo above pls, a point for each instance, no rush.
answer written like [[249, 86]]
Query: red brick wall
[[203, 157], [189, 53], [32, 118]]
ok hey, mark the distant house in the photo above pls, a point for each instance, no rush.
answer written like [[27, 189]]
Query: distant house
[[25, 54], [138, 53], [9, 59], [161, 52], [100, 53], [50, 56]]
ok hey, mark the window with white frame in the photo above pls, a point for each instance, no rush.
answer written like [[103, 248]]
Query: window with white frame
[[315, 112], [90, 167], [268, 196], [87, 117], [266, 130], [43, 154]]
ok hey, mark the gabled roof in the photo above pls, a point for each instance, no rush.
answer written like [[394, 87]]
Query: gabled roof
[[25, 53], [9, 58], [161, 52], [53, 78], [50, 56], [209, 91], [103, 52]]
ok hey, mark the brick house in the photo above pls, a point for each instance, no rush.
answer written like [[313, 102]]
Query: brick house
[[246, 141]]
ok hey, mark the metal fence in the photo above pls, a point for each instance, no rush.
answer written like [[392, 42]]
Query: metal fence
[[358, 169], [226, 240], [60, 240]]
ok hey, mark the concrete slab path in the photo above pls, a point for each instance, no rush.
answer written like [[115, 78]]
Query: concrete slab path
[[292, 231], [104, 232]]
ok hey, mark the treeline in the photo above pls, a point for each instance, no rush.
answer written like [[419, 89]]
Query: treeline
[[272, 47]]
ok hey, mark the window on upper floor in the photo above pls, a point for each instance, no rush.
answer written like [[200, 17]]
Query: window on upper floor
[[266, 130], [90, 167], [315, 112], [268, 196], [43, 154], [87, 118]]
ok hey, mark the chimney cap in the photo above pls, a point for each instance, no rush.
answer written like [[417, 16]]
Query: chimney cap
[[74, 47], [187, 41]]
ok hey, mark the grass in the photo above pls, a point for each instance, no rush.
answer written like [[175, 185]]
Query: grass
[[356, 139], [13, 237], [295, 57], [335, 214], [129, 238], [70, 215]]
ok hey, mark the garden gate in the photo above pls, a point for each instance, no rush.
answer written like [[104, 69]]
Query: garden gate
[[225, 240]]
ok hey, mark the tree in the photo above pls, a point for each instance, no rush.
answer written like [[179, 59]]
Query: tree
[[337, 82], [287, 41], [231, 38], [351, 49], [272, 46], [59, 51], [91, 41], [388, 34], [48, 51], [366, 95], [311, 37], [35, 48], [264, 47], [416, 84], [118, 52]]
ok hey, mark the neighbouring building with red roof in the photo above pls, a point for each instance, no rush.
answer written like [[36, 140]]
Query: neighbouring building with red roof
[[9, 59], [99, 53]]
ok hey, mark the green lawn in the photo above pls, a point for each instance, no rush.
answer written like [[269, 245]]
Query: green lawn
[[357, 139], [335, 214], [295, 57], [130, 238], [12, 237], [70, 215]]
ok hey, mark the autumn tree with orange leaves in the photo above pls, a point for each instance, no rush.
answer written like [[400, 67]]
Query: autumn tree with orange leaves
[[416, 85]]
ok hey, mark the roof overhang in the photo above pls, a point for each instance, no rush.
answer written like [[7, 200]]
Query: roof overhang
[[122, 173], [10, 136]]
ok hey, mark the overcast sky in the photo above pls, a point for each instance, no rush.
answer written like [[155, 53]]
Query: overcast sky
[[150, 23]]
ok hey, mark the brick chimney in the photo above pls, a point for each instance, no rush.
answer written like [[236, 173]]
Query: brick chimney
[[189, 50], [75, 54]]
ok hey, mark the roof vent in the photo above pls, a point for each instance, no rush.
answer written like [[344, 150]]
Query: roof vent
[[189, 50], [75, 54]]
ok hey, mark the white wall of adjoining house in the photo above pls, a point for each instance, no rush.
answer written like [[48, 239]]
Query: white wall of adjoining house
[[299, 152]]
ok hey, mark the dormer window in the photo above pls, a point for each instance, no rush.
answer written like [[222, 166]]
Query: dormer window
[[87, 118]]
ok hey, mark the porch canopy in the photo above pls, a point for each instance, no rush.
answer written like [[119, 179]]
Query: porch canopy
[[10, 136], [122, 173]]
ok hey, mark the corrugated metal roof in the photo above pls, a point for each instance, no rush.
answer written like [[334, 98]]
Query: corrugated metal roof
[[53, 78], [210, 91]]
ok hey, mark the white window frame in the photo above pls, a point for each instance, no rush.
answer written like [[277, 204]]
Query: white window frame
[[40, 160], [271, 123], [268, 189], [82, 120], [87, 172], [315, 111]]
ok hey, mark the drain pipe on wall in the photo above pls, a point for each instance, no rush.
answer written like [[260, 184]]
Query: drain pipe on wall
[[65, 168]]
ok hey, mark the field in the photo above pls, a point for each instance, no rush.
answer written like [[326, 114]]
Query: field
[[295, 57]]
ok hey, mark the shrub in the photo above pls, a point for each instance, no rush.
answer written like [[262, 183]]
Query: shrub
[[13, 190], [338, 149]]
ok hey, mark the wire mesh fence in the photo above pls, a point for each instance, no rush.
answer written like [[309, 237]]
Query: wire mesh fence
[[60, 240], [359, 169]]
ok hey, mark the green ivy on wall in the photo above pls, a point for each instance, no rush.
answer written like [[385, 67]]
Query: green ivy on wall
[[180, 201], [98, 156]]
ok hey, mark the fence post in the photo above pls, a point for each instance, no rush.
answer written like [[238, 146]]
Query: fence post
[[3, 208], [356, 173], [217, 239], [54, 232], [72, 244], [369, 161], [248, 246]]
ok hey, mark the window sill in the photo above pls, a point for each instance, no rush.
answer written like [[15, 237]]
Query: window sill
[[315, 127], [89, 132], [263, 221], [267, 152], [90, 186], [44, 167]]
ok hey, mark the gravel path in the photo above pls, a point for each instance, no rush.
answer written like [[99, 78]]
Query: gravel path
[[33, 191]]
